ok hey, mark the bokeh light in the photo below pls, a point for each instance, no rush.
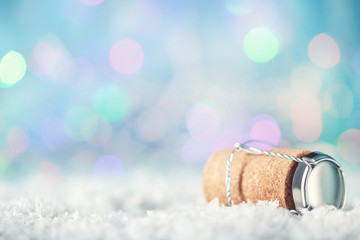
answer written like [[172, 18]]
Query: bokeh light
[[157, 83], [126, 56], [261, 45], [112, 103], [145, 16], [17, 140], [81, 123], [91, 2], [4, 85], [265, 128], [203, 122], [251, 14], [305, 108], [306, 116], [108, 168], [348, 145], [339, 101], [50, 59], [324, 51], [44, 58], [12, 68], [79, 11]]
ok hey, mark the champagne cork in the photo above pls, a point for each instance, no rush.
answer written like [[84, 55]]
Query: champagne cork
[[253, 177]]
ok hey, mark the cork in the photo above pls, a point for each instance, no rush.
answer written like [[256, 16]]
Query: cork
[[253, 177]]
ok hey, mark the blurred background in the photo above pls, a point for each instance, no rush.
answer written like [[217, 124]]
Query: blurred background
[[102, 87]]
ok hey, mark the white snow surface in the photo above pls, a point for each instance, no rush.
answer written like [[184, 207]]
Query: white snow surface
[[146, 205]]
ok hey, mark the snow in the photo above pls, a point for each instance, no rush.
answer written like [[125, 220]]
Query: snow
[[149, 205]]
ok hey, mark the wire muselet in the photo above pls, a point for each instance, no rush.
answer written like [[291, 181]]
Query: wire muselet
[[317, 177], [253, 150]]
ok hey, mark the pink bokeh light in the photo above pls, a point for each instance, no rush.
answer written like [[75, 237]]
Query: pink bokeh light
[[91, 2], [126, 56], [50, 60], [265, 128], [17, 140], [324, 51], [44, 59]]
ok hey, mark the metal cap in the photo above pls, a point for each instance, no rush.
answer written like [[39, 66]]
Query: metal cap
[[318, 181]]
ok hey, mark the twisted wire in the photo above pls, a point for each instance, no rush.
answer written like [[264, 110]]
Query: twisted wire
[[273, 154], [228, 178], [252, 150]]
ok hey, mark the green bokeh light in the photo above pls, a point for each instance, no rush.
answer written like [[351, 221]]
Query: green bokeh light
[[81, 123], [261, 45], [112, 103], [4, 85], [12, 69]]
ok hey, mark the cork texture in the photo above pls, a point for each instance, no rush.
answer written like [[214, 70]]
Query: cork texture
[[253, 177]]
